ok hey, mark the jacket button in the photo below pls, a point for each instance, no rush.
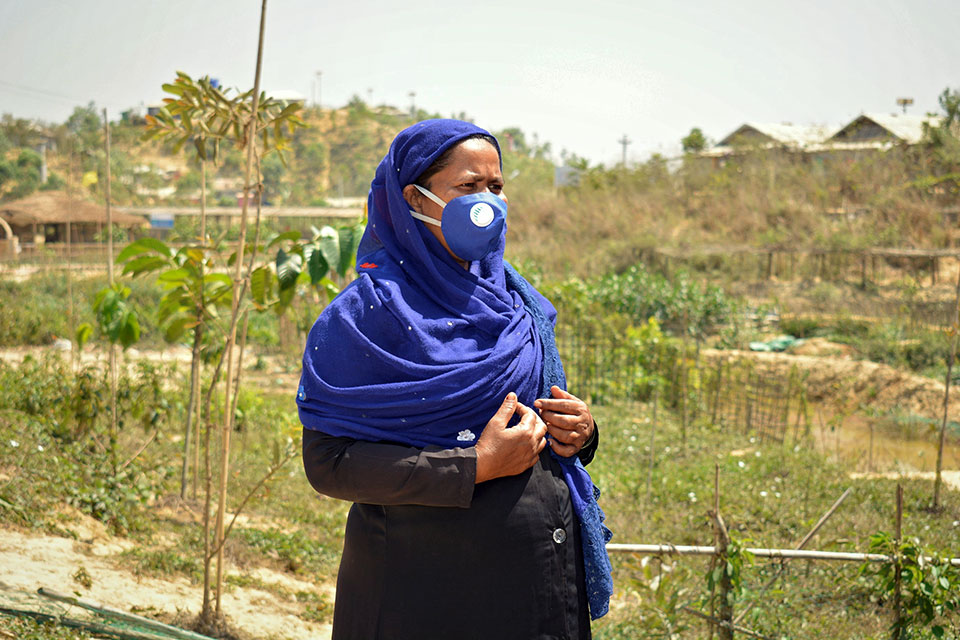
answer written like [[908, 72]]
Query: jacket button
[[559, 536]]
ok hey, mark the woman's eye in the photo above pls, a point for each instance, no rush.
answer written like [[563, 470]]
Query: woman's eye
[[496, 188]]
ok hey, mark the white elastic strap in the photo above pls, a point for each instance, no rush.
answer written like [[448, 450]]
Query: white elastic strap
[[420, 216], [430, 195]]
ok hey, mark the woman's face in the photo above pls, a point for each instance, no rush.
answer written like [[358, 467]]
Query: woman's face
[[473, 167]]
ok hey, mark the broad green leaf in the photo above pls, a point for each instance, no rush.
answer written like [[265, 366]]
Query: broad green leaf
[[144, 264], [177, 328], [222, 278], [175, 89], [84, 332], [153, 244], [261, 284], [284, 299], [289, 266], [317, 266], [174, 276], [329, 243], [129, 332], [129, 251], [349, 240], [293, 236]]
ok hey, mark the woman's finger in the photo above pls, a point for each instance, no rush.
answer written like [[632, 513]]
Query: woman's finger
[[565, 450], [566, 436], [560, 406], [564, 421]]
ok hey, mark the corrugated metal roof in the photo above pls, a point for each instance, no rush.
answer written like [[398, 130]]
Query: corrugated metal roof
[[905, 127], [790, 135]]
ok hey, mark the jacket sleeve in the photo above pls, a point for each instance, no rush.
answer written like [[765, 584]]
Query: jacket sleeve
[[589, 448], [388, 474]]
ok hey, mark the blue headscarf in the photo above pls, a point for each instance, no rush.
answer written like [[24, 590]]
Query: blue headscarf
[[420, 351]]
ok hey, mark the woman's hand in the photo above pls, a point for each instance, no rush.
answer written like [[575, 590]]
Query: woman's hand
[[507, 452], [568, 419]]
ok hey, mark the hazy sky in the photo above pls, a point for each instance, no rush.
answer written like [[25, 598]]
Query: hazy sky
[[578, 74]]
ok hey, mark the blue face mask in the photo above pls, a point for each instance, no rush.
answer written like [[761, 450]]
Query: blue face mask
[[471, 224]]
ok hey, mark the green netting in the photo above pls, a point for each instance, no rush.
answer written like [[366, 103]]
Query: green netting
[[93, 618]]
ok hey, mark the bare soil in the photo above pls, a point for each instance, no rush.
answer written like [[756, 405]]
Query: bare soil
[[30, 561]]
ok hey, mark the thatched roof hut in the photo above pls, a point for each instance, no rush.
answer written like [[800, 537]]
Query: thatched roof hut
[[48, 213]]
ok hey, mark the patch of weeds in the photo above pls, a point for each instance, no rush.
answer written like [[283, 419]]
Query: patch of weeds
[[81, 577], [317, 608], [29, 629], [164, 563], [298, 552]]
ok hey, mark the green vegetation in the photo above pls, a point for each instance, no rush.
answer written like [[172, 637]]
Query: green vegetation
[[770, 496]]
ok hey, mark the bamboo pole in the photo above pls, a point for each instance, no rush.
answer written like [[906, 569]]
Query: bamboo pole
[[722, 537], [897, 581], [714, 621], [235, 310], [116, 614], [718, 381], [113, 347], [760, 552], [938, 480], [188, 439], [823, 519]]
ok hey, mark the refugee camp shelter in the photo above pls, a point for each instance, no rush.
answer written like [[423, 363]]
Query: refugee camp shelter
[[881, 130], [49, 216]]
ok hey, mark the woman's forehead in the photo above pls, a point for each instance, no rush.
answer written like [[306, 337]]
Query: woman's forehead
[[473, 157]]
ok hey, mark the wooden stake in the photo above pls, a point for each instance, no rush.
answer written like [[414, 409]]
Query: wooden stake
[[725, 631], [938, 480], [897, 584], [113, 348], [800, 545], [235, 311]]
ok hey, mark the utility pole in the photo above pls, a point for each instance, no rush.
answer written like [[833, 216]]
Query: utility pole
[[316, 88], [624, 141], [904, 103], [413, 106], [370, 96]]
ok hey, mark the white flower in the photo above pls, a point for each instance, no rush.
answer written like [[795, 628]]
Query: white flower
[[741, 464], [692, 496], [757, 454], [633, 438], [666, 449], [956, 523], [14, 444], [752, 439], [39, 447], [629, 449], [466, 436], [763, 494], [777, 494]]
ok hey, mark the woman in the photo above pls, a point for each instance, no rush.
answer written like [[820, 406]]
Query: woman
[[432, 397]]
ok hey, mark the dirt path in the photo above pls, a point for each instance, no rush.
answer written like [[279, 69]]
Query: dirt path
[[30, 561]]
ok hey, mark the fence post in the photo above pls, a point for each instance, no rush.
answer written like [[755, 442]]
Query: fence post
[[725, 614], [718, 381], [897, 599]]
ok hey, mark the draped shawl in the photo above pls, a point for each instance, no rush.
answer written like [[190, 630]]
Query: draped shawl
[[420, 351]]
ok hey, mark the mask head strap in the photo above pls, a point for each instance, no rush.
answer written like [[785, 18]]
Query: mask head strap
[[420, 216], [430, 195]]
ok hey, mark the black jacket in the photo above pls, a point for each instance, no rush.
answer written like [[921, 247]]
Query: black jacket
[[428, 554]]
